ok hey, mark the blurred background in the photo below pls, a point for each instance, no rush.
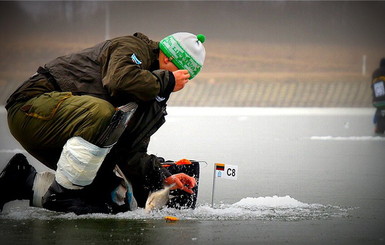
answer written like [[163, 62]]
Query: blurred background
[[259, 53]]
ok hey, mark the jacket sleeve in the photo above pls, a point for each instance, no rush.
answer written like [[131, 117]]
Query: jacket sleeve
[[144, 171], [166, 81], [126, 74], [145, 166]]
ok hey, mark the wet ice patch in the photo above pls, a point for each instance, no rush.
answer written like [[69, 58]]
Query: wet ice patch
[[23, 213], [283, 208]]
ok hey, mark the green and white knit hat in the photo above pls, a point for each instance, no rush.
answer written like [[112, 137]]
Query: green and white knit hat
[[185, 50]]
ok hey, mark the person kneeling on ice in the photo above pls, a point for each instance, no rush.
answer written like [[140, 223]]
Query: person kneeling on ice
[[89, 116]]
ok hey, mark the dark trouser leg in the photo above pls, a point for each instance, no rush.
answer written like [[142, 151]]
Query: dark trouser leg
[[380, 121], [45, 123]]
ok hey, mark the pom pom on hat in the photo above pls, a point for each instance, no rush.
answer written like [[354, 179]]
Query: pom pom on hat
[[201, 38], [185, 50]]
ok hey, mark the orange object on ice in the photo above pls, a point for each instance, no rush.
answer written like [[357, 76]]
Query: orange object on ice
[[183, 162], [171, 218], [180, 162]]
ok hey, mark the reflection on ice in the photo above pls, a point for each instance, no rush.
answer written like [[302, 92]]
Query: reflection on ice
[[262, 208]]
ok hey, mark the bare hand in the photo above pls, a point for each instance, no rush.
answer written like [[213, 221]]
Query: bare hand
[[181, 78], [182, 181]]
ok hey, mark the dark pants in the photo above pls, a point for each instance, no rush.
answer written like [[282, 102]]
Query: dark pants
[[43, 124], [379, 121]]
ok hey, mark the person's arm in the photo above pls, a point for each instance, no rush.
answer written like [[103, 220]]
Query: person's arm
[[124, 77], [157, 176], [126, 74], [148, 170]]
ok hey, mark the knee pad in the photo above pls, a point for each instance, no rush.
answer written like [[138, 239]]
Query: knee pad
[[80, 160], [79, 163], [118, 124]]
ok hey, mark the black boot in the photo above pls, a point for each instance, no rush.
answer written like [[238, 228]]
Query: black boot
[[61, 199], [16, 180]]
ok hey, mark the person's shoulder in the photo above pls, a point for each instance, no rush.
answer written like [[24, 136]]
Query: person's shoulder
[[137, 38], [141, 36], [148, 41]]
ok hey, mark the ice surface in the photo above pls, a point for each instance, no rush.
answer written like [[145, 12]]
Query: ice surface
[[270, 202], [283, 208], [12, 151], [350, 138], [273, 159]]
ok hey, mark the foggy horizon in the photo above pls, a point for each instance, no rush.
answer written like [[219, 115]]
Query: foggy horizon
[[305, 44], [266, 21]]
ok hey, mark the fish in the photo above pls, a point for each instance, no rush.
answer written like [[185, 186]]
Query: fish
[[157, 199]]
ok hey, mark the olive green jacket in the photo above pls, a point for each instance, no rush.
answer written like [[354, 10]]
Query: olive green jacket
[[118, 70]]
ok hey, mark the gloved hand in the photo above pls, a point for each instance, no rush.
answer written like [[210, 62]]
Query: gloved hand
[[182, 181]]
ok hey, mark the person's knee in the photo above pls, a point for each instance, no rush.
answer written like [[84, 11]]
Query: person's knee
[[102, 111], [99, 114]]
